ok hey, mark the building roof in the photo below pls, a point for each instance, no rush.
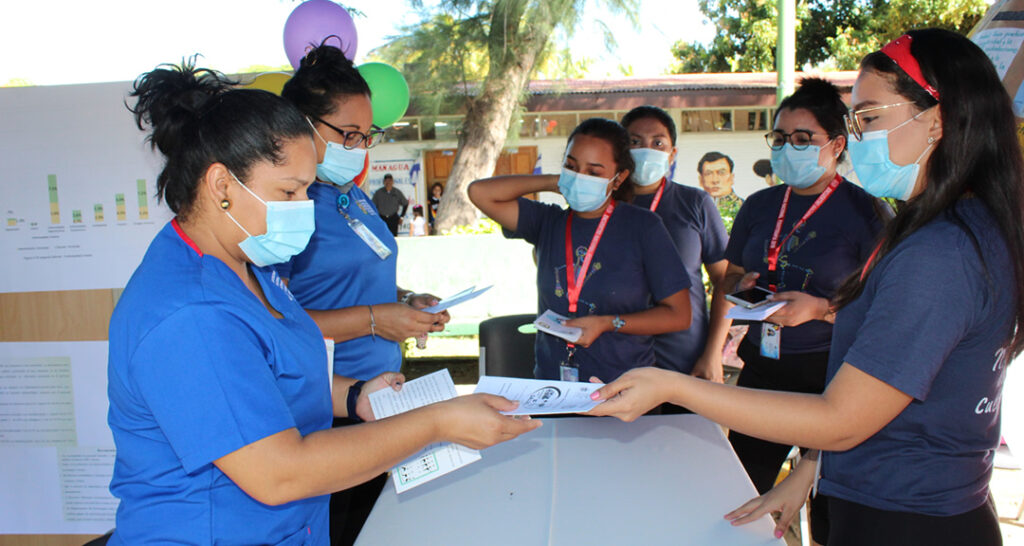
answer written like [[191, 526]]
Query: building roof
[[720, 90]]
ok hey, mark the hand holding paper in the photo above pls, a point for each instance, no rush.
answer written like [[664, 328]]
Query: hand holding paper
[[540, 397], [552, 323], [461, 297]]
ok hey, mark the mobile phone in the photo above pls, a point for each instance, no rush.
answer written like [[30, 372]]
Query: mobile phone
[[751, 298]]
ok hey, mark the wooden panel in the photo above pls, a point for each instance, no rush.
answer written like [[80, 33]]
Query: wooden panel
[[45, 540], [72, 315]]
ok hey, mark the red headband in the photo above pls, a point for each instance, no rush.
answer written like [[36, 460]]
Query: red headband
[[899, 51]]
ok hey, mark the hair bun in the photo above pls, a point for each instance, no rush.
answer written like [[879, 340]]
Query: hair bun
[[170, 97], [325, 54]]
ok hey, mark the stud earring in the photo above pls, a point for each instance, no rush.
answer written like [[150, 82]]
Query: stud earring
[[225, 204]]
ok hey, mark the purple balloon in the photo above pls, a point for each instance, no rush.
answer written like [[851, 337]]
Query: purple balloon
[[313, 21]]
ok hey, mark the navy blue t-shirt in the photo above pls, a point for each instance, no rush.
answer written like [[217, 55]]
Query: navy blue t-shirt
[[634, 266], [930, 323], [696, 229], [835, 241]]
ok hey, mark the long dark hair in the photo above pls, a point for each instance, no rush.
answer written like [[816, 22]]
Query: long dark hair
[[324, 75], [197, 118], [611, 132], [978, 153]]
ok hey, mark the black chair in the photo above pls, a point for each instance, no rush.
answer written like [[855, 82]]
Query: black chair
[[504, 350]]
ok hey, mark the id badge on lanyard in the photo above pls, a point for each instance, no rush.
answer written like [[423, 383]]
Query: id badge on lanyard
[[569, 369], [364, 233], [771, 334]]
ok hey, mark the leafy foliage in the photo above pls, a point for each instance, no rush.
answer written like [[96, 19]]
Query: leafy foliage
[[830, 33]]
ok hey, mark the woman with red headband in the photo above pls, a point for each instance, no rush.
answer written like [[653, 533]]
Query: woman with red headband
[[910, 418]]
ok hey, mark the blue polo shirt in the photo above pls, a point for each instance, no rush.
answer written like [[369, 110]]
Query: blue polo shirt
[[696, 229], [339, 270], [930, 322], [834, 241], [198, 369], [635, 266]]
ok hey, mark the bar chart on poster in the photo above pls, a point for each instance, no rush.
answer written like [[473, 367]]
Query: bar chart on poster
[[60, 224]]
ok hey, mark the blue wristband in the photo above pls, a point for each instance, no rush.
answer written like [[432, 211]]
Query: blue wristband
[[353, 396]]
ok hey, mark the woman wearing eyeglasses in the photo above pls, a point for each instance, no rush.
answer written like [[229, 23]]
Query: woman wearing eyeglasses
[[925, 328], [346, 277], [799, 240]]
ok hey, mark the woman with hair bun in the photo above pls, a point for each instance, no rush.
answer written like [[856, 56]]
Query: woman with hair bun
[[347, 277], [220, 402], [608, 265], [924, 329]]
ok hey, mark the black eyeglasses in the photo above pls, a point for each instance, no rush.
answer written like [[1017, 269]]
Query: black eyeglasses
[[799, 139], [352, 139]]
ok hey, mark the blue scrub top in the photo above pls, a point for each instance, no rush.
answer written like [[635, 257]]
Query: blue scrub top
[[339, 270], [931, 322], [199, 368], [635, 266], [696, 228]]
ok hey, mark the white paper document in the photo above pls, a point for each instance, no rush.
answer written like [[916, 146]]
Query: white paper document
[[554, 324], [434, 460], [540, 397], [456, 299], [758, 313]]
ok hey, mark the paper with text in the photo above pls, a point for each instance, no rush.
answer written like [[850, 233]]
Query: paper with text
[[758, 313], [461, 297], [540, 397], [554, 324], [434, 460]]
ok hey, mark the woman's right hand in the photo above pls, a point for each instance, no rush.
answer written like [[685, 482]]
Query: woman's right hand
[[398, 321], [474, 421], [747, 282]]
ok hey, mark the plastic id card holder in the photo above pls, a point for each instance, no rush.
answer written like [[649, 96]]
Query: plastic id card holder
[[770, 340], [369, 238], [569, 373]]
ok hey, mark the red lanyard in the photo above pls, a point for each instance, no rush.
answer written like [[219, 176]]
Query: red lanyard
[[871, 258], [775, 246], [576, 284], [657, 196]]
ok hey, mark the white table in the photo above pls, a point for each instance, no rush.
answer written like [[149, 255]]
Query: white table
[[660, 480]]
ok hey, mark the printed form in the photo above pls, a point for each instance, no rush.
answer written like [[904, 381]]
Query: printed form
[[434, 460], [540, 397]]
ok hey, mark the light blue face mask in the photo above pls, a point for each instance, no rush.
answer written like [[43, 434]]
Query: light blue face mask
[[583, 192], [339, 166], [797, 168], [877, 173], [651, 165], [290, 224]]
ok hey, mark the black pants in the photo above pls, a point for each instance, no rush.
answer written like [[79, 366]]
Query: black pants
[[793, 373], [854, 524], [351, 507], [392, 222]]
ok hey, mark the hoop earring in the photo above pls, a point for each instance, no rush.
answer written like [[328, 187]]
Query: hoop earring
[[225, 204]]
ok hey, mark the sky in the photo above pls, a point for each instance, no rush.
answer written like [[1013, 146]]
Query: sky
[[60, 42]]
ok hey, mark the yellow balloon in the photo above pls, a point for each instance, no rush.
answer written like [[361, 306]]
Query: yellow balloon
[[270, 81]]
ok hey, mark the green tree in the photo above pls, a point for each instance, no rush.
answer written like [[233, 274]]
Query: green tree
[[477, 56], [830, 33]]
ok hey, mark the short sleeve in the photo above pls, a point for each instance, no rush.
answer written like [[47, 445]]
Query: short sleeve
[[530, 221], [922, 304], [713, 236], [662, 266], [204, 375], [739, 234]]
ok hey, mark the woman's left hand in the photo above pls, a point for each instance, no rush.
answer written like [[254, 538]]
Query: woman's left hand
[[593, 326], [422, 301], [800, 307], [387, 379]]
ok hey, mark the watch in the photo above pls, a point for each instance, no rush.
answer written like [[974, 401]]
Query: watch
[[617, 322], [353, 396]]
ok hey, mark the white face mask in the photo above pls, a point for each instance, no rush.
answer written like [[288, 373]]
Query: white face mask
[[651, 165]]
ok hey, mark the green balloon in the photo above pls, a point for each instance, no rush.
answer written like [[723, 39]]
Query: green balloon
[[389, 93]]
